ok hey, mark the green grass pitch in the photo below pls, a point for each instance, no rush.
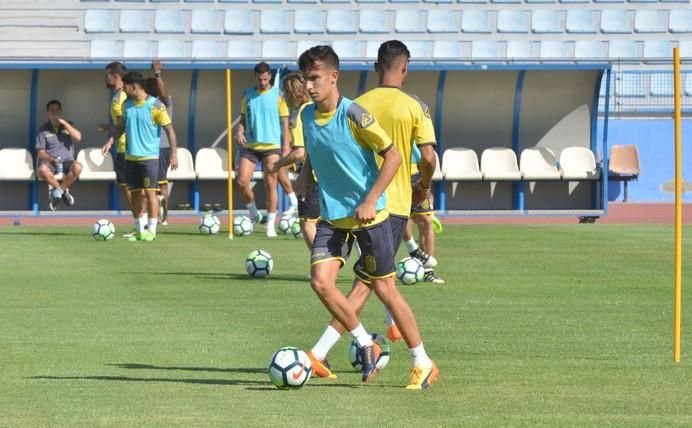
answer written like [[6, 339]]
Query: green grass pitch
[[553, 325]]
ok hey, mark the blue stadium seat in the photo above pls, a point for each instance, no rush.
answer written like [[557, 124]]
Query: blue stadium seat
[[688, 85], [371, 1], [485, 49], [238, 21], [585, 49], [274, 21], [609, 1], [657, 49], [442, 21], [475, 21], [519, 49], [347, 49], [171, 49], [303, 45], [622, 49], [505, 1], [438, 1], [540, 1], [308, 21], [302, 1], [98, 21], [580, 21], [446, 49], [233, 1], [685, 49], [336, 1], [675, 1], [205, 49], [408, 21], [164, 1], [615, 21], [131, 1], [642, 1], [266, 1], [404, 1], [418, 49], [137, 48], [553, 49], [341, 21], [103, 49], [511, 21], [680, 21], [648, 21], [205, 21], [168, 21], [472, 1], [630, 85], [198, 1], [575, 1], [241, 49], [276, 49], [134, 21], [546, 21], [371, 48], [373, 21], [661, 85]]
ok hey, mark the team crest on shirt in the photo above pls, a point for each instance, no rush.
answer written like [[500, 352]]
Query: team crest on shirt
[[370, 264], [426, 112], [366, 120], [147, 182]]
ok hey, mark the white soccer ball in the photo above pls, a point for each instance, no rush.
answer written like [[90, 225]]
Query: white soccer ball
[[354, 355], [243, 226], [286, 224], [259, 264], [296, 230], [103, 230], [290, 368], [410, 270], [209, 224]]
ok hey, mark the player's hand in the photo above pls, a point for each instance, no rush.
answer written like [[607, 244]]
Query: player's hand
[[174, 161], [272, 168], [156, 66], [106, 148], [61, 121], [365, 213], [285, 151], [103, 127], [240, 137], [420, 193]]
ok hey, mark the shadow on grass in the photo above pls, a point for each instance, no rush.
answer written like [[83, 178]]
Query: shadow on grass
[[155, 380], [139, 366], [47, 233], [225, 276]]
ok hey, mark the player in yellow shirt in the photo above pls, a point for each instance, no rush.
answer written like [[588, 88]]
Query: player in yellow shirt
[[406, 120]]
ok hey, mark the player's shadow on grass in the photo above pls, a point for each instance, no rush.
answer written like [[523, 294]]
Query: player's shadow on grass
[[139, 366], [228, 382], [226, 276], [47, 233]]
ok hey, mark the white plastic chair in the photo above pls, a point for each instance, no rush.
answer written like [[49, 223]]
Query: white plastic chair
[[538, 163], [578, 163], [211, 163], [460, 164], [500, 164], [95, 167], [437, 175], [17, 165], [186, 167]]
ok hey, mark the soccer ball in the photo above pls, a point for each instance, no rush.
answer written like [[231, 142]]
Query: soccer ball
[[259, 264], [296, 230], [103, 230], [290, 368], [242, 226], [286, 224], [209, 224], [354, 355], [410, 270]]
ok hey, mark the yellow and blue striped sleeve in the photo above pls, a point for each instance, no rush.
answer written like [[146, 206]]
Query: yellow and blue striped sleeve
[[160, 115], [296, 126], [367, 132]]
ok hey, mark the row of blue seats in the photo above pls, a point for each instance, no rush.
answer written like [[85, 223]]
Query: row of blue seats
[[377, 21], [620, 50], [395, 1]]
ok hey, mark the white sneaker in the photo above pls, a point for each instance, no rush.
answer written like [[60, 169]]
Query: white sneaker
[[291, 211], [67, 198], [271, 232]]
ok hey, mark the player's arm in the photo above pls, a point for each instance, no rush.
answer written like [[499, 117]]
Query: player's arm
[[296, 154], [427, 169], [75, 134], [305, 182], [285, 130], [156, 66], [161, 118], [240, 132]]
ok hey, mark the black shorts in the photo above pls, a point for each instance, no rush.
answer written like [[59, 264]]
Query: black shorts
[[424, 207], [143, 175], [66, 165], [164, 163], [309, 206], [397, 224], [256, 156], [120, 168], [377, 257]]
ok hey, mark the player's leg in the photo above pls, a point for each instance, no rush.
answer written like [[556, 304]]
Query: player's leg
[[74, 169], [286, 184], [426, 232], [46, 172], [423, 208], [309, 213], [270, 183], [121, 180], [151, 188], [164, 163], [246, 167]]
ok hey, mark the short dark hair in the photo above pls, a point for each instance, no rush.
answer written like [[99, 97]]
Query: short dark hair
[[53, 102], [135, 77], [262, 67], [151, 87], [117, 67], [321, 53], [389, 51]]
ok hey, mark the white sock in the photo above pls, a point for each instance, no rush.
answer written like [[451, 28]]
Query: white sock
[[271, 218], [388, 317], [145, 216], [420, 358], [326, 343], [253, 209], [141, 222], [152, 224], [293, 199], [411, 245], [361, 336]]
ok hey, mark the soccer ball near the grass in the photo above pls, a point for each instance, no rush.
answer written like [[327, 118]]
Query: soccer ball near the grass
[[286, 224], [290, 368], [103, 230], [209, 224], [296, 231], [354, 356], [410, 270], [242, 226], [259, 264]]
